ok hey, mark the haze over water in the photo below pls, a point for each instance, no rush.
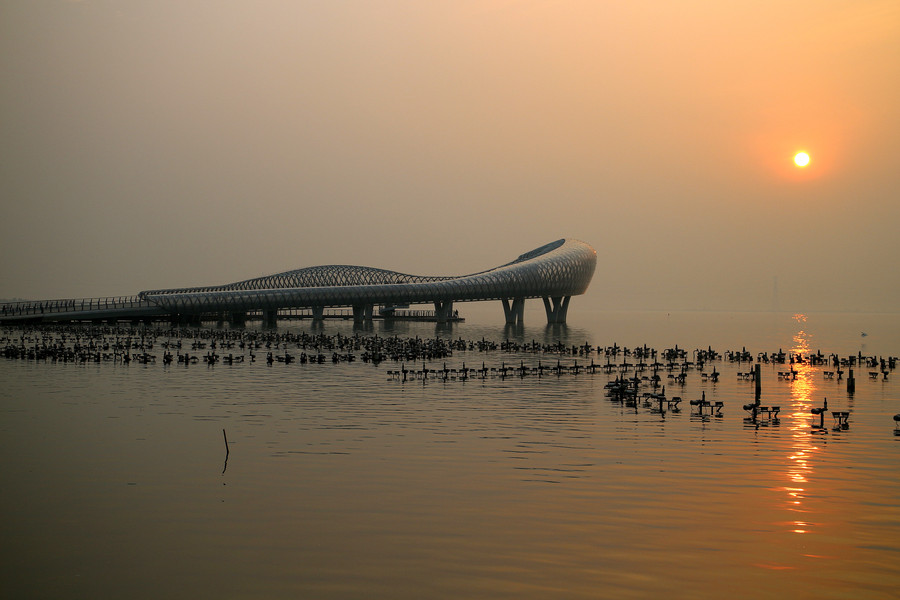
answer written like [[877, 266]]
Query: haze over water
[[343, 483], [158, 144], [155, 144]]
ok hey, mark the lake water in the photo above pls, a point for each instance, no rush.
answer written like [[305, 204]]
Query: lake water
[[341, 482]]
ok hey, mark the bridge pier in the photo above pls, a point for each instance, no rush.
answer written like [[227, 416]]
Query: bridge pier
[[362, 312], [556, 307], [515, 314], [184, 319], [270, 318], [318, 313], [237, 318], [443, 310]]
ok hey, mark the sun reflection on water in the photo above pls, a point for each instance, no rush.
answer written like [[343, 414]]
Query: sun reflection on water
[[802, 448]]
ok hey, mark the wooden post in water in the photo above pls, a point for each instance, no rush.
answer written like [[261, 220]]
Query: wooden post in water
[[757, 375], [851, 383]]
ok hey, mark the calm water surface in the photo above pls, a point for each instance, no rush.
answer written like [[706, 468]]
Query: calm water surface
[[342, 483]]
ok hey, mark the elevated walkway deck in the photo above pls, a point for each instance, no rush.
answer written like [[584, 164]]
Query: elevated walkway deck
[[554, 272]]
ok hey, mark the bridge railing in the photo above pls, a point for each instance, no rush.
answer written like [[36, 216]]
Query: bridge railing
[[410, 314], [25, 308], [304, 313], [345, 313], [67, 305]]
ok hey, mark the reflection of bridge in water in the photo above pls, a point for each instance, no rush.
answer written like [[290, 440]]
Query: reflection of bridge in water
[[554, 272]]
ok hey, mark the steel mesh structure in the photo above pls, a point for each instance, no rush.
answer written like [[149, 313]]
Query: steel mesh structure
[[323, 276], [554, 272]]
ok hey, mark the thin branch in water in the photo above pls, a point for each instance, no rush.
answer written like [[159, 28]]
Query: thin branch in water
[[226, 451]]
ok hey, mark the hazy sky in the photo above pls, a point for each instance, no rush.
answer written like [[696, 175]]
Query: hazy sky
[[149, 144]]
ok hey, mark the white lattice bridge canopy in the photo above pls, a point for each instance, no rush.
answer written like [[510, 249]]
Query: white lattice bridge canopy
[[554, 272]]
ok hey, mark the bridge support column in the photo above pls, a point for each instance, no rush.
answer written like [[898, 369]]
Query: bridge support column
[[238, 318], [556, 312], [318, 313], [182, 319], [270, 318], [363, 312], [515, 314], [443, 310]]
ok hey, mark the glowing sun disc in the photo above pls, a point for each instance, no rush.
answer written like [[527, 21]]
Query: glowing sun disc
[[801, 159]]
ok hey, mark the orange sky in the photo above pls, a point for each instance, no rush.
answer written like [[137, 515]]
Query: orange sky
[[157, 144]]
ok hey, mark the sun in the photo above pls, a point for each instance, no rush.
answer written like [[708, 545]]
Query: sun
[[801, 159]]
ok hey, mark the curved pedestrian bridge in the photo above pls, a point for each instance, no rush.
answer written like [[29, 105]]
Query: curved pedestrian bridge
[[554, 272]]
